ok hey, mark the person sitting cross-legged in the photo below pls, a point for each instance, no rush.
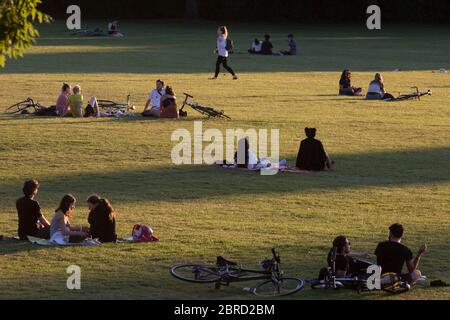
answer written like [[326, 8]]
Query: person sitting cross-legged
[[392, 255], [312, 155]]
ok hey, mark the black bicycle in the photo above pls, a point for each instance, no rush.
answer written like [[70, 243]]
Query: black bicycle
[[27, 106], [389, 282], [206, 111], [415, 95], [223, 273], [113, 107]]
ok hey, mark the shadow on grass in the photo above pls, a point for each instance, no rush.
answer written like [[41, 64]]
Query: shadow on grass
[[175, 184]]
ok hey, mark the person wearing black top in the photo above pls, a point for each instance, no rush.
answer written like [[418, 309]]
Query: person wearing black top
[[392, 255], [102, 219], [31, 220], [345, 85], [346, 263], [312, 155], [267, 46]]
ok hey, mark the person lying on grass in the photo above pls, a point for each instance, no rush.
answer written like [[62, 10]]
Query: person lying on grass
[[345, 85], [102, 219], [377, 91], [62, 103], [312, 155], [346, 263], [154, 98], [61, 231], [31, 220], [392, 255]]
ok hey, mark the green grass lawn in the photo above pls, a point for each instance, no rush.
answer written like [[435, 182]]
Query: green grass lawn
[[393, 158]]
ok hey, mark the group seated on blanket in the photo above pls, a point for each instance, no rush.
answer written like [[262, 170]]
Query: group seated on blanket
[[163, 102], [345, 85], [312, 156], [376, 90], [390, 255], [32, 223]]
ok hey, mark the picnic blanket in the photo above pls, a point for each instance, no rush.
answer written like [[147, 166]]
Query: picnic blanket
[[48, 243], [280, 170]]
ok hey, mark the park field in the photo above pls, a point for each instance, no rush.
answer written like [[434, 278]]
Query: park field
[[393, 158]]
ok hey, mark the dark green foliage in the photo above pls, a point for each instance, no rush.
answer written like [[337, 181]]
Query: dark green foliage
[[17, 30]]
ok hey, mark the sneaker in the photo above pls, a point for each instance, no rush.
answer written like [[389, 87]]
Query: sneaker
[[235, 77], [213, 78]]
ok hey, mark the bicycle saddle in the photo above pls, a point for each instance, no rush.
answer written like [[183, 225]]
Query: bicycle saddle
[[222, 262]]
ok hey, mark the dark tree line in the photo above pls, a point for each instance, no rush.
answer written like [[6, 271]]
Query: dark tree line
[[302, 11]]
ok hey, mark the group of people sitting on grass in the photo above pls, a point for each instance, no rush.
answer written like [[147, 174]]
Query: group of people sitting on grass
[[376, 90], [266, 47], [391, 256], [32, 223], [311, 156], [70, 104]]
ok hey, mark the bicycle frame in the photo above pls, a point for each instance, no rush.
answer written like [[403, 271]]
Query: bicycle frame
[[228, 277]]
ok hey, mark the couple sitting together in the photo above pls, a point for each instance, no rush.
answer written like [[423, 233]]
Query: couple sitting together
[[376, 90], [311, 156], [33, 223], [163, 103], [391, 256], [70, 104]]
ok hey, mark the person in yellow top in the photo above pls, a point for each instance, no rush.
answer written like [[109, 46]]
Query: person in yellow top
[[76, 102]]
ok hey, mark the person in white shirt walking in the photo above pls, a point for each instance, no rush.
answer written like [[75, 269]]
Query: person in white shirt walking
[[222, 51], [154, 99]]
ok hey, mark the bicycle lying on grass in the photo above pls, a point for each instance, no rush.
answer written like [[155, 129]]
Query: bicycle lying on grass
[[389, 282], [28, 106], [415, 95], [274, 284], [113, 107], [206, 111]]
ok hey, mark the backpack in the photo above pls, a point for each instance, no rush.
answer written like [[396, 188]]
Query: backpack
[[230, 46]]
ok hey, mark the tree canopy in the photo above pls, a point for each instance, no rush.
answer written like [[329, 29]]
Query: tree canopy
[[17, 27]]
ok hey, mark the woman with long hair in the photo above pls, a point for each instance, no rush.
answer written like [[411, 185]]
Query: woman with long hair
[[102, 219], [61, 231], [345, 85], [169, 104], [377, 90], [222, 52]]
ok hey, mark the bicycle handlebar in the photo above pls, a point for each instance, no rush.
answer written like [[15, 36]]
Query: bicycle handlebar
[[188, 95]]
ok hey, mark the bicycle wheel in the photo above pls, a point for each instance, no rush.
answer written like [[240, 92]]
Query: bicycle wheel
[[196, 273], [286, 286], [106, 104], [18, 107]]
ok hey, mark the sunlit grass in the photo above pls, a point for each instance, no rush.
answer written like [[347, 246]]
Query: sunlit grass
[[392, 159]]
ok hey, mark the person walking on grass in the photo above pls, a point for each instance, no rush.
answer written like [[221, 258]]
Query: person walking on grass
[[222, 50]]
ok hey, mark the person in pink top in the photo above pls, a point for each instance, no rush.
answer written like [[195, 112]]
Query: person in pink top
[[62, 104]]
